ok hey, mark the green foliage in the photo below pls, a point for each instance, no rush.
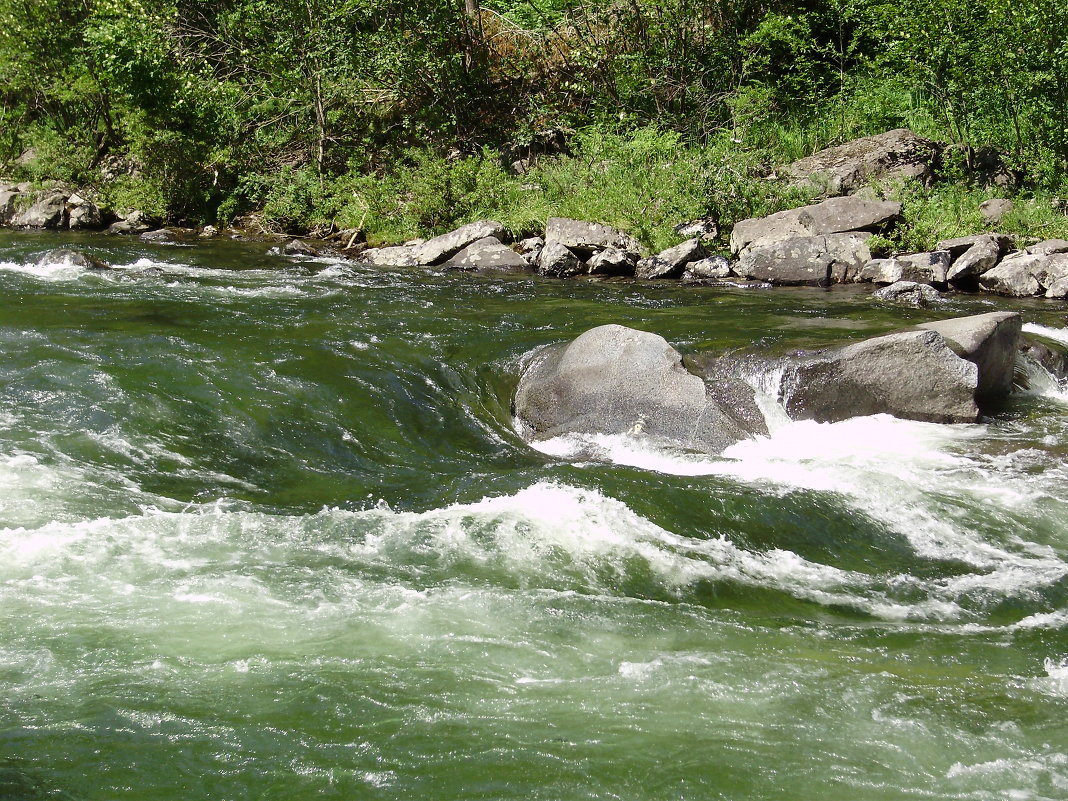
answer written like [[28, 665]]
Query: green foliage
[[317, 113]]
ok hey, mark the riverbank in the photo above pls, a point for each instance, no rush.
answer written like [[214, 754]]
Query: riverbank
[[869, 200]]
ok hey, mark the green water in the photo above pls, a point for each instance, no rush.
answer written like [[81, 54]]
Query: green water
[[267, 532]]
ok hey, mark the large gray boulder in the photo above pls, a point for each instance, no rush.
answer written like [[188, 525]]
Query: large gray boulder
[[808, 260], [913, 375], [49, 210], [616, 380], [440, 248], [842, 170], [586, 238], [833, 216], [488, 255], [990, 341], [1025, 274], [85, 216]]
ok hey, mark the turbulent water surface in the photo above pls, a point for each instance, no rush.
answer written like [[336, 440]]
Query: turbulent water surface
[[267, 532]]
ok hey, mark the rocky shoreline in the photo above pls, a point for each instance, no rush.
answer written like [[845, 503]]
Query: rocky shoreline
[[819, 244]]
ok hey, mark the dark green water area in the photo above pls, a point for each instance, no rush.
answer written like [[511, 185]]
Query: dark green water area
[[267, 531]]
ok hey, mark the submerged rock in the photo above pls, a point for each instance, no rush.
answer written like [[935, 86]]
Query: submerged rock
[[617, 380], [74, 258]]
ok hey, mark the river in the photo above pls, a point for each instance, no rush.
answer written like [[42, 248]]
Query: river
[[267, 531]]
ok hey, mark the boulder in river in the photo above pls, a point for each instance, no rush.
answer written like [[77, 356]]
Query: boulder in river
[[612, 261], [899, 154], [913, 375], [295, 247], [558, 261], [74, 258], [617, 380], [990, 341], [922, 268], [159, 236], [711, 270], [910, 293]]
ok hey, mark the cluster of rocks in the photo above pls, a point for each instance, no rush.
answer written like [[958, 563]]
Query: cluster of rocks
[[616, 380], [569, 248], [60, 208]]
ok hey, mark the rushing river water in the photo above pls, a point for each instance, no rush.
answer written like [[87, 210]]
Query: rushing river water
[[267, 532]]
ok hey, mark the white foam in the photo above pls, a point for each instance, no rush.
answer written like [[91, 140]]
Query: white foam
[[1055, 682], [1056, 334], [894, 471]]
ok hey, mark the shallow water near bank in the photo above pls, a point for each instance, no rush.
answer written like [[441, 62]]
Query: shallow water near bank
[[267, 531]]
